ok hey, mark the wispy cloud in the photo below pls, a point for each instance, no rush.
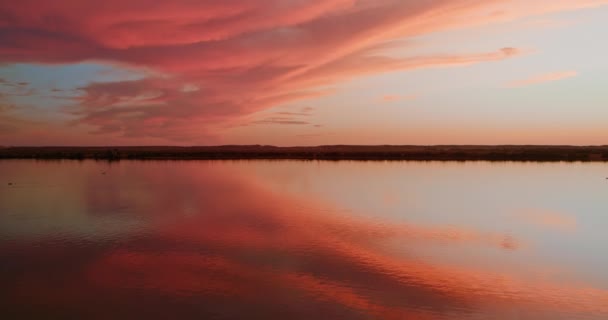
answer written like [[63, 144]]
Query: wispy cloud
[[15, 89], [549, 219], [280, 120], [396, 97], [298, 117], [542, 78], [303, 112], [242, 56]]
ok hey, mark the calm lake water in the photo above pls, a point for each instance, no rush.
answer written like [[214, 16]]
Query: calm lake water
[[303, 240]]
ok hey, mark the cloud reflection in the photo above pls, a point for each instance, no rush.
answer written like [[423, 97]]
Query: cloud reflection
[[216, 234]]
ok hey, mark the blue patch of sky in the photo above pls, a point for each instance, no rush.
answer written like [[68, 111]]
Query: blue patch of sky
[[50, 87]]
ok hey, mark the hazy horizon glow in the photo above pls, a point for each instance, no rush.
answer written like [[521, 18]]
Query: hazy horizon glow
[[303, 72]]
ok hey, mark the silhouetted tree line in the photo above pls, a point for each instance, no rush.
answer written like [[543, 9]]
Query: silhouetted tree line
[[339, 152]]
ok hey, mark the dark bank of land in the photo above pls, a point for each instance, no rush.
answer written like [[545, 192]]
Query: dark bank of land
[[336, 152]]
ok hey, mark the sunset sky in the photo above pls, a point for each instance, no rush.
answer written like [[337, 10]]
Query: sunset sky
[[303, 72]]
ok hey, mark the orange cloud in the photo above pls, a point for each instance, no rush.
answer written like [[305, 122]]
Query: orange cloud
[[542, 78], [395, 97], [549, 219], [242, 56]]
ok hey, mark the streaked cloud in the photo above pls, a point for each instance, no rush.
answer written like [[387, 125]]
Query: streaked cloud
[[542, 78], [297, 117], [549, 219], [395, 97], [280, 120], [209, 64]]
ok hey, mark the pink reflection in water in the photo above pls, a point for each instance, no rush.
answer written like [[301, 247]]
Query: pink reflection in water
[[214, 240]]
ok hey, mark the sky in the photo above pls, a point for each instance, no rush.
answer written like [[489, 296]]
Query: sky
[[303, 72]]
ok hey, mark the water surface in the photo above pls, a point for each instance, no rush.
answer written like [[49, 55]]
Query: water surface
[[303, 240]]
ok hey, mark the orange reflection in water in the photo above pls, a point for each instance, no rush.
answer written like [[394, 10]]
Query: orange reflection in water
[[267, 240], [216, 235]]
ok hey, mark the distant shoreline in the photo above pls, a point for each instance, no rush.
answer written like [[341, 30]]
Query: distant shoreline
[[334, 152]]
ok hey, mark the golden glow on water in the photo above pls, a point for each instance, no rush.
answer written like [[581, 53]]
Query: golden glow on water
[[301, 240]]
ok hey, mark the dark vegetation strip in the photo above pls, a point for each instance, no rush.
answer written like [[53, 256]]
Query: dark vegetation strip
[[338, 152]]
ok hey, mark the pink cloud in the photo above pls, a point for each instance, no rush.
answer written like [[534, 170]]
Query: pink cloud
[[242, 56], [549, 219], [395, 97], [542, 78]]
